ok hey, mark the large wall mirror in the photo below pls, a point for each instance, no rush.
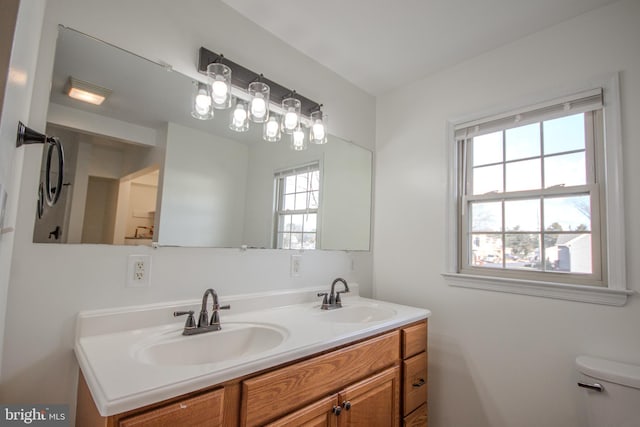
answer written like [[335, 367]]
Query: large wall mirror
[[140, 170]]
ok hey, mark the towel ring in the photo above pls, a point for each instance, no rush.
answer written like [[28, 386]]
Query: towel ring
[[52, 194]]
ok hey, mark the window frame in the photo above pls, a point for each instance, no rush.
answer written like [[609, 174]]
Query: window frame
[[613, 289]]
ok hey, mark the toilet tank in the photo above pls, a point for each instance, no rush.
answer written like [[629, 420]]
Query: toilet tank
[[610, 392]]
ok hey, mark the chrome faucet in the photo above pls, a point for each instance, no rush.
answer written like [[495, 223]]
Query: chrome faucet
[[204, 324], [332, 300]]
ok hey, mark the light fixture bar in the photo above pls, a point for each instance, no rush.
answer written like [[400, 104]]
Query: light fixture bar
[[242, 77]]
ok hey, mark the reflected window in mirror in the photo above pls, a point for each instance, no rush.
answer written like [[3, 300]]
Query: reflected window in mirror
[[298, 202]]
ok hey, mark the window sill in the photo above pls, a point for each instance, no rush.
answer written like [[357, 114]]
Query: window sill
[[590, 294]]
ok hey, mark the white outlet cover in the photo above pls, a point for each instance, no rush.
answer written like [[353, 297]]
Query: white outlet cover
[[296, 265], [138, 271]]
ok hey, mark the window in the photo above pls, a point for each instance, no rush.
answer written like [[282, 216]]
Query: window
[[297, 203], [533, 213]]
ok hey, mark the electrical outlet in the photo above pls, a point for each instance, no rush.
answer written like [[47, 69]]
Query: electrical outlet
[[296, 265], [138, 271]]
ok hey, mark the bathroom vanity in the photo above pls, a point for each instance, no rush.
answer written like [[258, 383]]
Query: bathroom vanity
[[293, 364]]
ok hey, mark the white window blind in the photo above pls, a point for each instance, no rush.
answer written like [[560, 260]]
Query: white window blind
[[577, 103]]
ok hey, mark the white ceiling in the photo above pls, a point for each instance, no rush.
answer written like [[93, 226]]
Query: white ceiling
[[381, 44]]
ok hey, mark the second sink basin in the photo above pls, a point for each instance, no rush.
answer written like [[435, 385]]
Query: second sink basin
[[234, 340], [356, 314]]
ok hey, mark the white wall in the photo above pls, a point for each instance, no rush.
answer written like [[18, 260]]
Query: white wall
[[498, 359], [346, 201], [49, 285], [203, 189], [17, 103]]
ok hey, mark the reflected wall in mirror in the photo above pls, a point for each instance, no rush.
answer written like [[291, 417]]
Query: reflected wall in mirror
[[139, 168]]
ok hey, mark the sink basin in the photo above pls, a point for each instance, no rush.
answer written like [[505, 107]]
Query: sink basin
[[233, 341], [356, 314]]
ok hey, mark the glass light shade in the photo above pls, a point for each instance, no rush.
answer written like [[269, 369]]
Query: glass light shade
[[220, 79], [271, 130], [239, 117], [318, 129], [259, 105], [298, 141], [201, 107], [291, 116]]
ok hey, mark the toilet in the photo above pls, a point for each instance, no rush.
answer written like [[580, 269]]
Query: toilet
[[610, 392]]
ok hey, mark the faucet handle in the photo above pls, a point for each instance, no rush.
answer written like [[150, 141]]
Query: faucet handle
[[215, 317], [191, 322], [325, 301]]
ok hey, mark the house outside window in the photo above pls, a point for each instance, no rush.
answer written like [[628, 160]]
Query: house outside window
[[536, 201], [297, 205]]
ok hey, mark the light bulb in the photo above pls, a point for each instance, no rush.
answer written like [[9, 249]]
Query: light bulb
[[318, 131], [298, 139], [290, 120], [258, 106], [272, 128], [203, 101], [239, 116], [220, 90]]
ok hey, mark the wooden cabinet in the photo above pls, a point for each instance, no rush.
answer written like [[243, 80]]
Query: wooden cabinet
[[414, 375], [205, 409], [303, 383], [371, 402], [380, 381], [417, 418], [322, 413]]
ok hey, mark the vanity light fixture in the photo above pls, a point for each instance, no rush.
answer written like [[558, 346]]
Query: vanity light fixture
[[239, 120], [318, 128], [202, 107], [259, 99], [86, 92], [271, 130]]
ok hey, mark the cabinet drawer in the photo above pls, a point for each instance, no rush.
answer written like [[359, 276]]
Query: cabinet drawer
[[205, 409], [417, 418], [284, 390], [415, 382], [316, 414], [414, 340]]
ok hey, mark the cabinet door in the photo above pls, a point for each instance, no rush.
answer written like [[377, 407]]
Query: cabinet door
[[308, 381], [417, 418], [319, 414], [415, 382], [205, 409], [372, 402]]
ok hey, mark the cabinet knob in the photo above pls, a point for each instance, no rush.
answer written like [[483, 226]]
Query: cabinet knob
[[346, 405], [336, 410], [420, 383]]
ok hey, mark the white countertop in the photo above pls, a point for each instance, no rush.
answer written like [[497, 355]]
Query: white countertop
[[106, 342]]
